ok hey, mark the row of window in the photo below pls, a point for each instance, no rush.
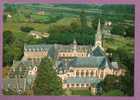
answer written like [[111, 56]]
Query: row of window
[[77, 85], [71, 54], [37, 49], [37, 54], [87, 73], [34, 58]]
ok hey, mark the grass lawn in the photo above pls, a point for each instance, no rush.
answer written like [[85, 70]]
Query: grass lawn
[[16, 26], [114, 93], [120, 41], [81, 92]]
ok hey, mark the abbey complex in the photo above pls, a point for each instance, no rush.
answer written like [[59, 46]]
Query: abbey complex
[[78, 66]]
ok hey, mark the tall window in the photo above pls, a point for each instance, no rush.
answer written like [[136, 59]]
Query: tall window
[[102, 75], [92, 73], [82, 73], [96, 73], [87, 73], [77, 73]]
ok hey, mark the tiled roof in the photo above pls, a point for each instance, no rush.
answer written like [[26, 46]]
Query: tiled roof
[[82, 80]]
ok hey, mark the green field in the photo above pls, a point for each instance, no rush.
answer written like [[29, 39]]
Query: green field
[[78, 92], [113, 93]]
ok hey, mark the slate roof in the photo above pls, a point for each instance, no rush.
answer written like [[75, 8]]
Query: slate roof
[[12, 83], [20, 68], [15, 84], [99, 62], [40, 47], [69, 48], [82, 80], [62, 66], [57, 47], [97, 52]]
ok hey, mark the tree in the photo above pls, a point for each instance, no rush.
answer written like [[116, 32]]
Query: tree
[[8, 56], [4, 17], [8, 37], [118, 29], [126, 59], [83, 19], [110, 82], [26, 29], [74, 25], [47, 82], [17, 49], [94, 23], [11, 8], [130, 31]]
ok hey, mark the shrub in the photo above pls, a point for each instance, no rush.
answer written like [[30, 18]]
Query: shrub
[[26, 29]]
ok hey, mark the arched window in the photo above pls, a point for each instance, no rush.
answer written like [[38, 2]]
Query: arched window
[[92, 73], [82, 73], [96, 73], [87, 73], [77, 73]]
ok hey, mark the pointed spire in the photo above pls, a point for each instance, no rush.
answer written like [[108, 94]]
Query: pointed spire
[[99, 27], [98, 37]]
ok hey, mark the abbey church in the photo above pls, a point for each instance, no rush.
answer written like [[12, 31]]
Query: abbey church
[[79, 66]]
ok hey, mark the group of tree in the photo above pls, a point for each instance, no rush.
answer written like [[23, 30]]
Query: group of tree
[[26, 29], [124, 9], [123, 31], [78, 29], [47, 82], [124, 83], [13, 48]]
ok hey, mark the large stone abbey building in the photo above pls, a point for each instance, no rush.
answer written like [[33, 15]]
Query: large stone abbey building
[[79, 66]]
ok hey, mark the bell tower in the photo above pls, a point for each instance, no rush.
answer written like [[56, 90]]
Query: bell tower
[[98, 36]]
